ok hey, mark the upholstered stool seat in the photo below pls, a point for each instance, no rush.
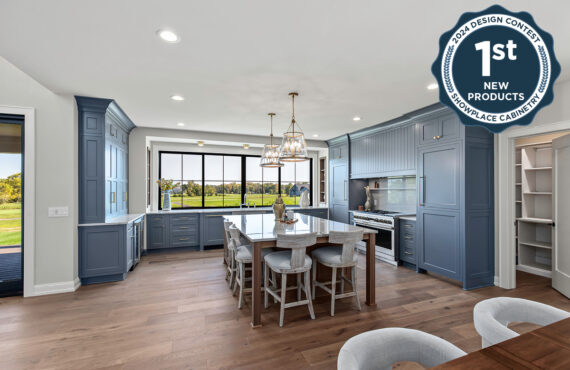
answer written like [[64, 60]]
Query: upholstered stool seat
[[331, 255], [281, 262]]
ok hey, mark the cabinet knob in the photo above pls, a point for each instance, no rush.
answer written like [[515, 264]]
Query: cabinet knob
[[437, 137]]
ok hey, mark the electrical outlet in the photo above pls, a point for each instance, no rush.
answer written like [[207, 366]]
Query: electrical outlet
[[58, 211]]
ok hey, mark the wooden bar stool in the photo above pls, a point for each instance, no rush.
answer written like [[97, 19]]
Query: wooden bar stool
[[285, 263], [337, 257]]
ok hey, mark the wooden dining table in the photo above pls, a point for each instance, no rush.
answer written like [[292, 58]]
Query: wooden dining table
[[261, 231], [544, 348]]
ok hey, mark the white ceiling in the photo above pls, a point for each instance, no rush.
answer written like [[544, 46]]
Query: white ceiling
[[238, 59]]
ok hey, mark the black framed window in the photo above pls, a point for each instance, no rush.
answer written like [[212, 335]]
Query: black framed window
[[227, 180]]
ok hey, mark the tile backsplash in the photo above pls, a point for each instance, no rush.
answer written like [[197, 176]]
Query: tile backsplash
[[396, 194]]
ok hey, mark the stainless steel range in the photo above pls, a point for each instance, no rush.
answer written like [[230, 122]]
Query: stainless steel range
[[385, 222]]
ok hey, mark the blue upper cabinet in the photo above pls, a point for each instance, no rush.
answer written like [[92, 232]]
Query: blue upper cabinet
[[103, 159], [383, 151], [339, 162]]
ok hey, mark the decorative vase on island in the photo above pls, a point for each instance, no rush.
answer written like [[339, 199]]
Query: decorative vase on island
[[278, 207], [304, 201], [166, 201]]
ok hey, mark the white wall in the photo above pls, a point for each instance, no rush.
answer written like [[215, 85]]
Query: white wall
[[554, 117], [56, 176], [163, 139]]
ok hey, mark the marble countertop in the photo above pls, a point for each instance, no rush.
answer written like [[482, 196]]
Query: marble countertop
[[228, 210], [263, 227], [119, 220]]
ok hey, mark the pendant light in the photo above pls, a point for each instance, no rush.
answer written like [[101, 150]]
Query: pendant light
[[270, 154], [293, 148]]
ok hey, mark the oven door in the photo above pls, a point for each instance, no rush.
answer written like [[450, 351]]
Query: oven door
[[385, 241]]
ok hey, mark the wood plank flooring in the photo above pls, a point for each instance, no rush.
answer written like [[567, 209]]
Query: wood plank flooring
[[175, 311]]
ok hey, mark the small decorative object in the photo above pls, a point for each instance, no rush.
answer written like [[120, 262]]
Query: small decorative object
[[368, 204], [376, 184], [290, 214], [361, 208], [278, 207], [166, 187], [304, 201], [288, 221]]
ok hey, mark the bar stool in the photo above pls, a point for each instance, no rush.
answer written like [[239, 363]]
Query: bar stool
[[337, 257], [231, 260], [285, 263], [243, 256]]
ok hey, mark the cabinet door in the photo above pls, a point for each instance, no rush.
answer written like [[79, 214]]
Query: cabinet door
[[339, 183], [439, 244], [428, 131], [130, 243], [213, 226], [439, 176], [101, 250], [157, 231], [339, 213]]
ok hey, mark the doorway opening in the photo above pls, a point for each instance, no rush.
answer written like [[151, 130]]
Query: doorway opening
[[11, 204], [536, 199]]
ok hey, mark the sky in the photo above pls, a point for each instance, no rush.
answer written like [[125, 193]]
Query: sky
[[9, 164]]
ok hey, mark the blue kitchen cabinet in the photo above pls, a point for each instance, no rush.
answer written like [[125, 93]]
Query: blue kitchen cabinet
[[184, 230], [158, 231], [339, 162], [107, 252], [213, 228], [406, 242], [387, 150], [454, 231]]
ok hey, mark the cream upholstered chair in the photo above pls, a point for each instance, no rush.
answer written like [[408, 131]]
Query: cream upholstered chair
[[492, 316], [290, 262], [380, 349], [338, 257], [243, 256], [231, 260]]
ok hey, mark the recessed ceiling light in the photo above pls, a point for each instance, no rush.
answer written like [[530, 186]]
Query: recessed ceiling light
[[168, 36], [177, 97], [356, 119], [200, 143], [432, 86], [180, 124], [246, 146], [315, 135]]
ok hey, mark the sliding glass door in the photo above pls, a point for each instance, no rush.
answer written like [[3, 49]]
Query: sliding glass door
[[11, 204]]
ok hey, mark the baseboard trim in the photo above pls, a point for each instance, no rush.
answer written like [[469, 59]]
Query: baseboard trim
[[496, 281], [57, 288]]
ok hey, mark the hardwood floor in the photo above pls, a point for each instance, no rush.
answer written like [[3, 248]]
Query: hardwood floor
[[175, 311]]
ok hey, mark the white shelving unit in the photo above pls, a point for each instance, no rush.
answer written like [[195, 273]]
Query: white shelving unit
[[534, 208]]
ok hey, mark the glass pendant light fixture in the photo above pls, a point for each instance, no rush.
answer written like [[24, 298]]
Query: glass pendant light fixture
[[270, 154], [293, 148]]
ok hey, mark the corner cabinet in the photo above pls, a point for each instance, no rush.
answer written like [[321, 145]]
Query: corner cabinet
[[338, 179], [103, 159], [454, 231]]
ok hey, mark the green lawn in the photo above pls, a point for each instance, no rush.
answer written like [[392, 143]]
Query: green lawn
[[229, 200], [10, 225]]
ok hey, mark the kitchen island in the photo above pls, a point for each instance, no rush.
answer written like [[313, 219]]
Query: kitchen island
[[261, 231]]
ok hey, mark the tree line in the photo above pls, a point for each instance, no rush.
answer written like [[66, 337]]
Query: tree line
[[11, 189], [194, 189]]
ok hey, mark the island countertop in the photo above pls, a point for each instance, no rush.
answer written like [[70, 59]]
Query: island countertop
[[229, 210], [264, 227]]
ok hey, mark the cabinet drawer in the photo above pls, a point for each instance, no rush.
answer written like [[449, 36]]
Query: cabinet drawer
[[156, 220], [184, 219], [186, 227], [407, 238], [408, 254], [182, 239]]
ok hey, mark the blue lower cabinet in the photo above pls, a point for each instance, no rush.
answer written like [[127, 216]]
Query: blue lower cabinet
[[158, 231], [103, 254], [321, 213], [213, 228], [407, 245]]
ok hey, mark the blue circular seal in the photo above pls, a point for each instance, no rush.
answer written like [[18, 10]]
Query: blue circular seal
[[496, 68]]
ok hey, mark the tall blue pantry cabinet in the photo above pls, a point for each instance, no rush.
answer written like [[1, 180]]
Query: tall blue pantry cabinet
[[107, 242], [455, 226]]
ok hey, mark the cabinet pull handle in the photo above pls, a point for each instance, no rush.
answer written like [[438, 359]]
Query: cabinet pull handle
[[183, 227], [437, 137], [114, 197], [125, 196], [420, 204], [407, 225], [182, 239], [345, 181], [407, 237], [408, 253]]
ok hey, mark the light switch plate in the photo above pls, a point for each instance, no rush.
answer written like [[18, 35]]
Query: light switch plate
[[58, 211]]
